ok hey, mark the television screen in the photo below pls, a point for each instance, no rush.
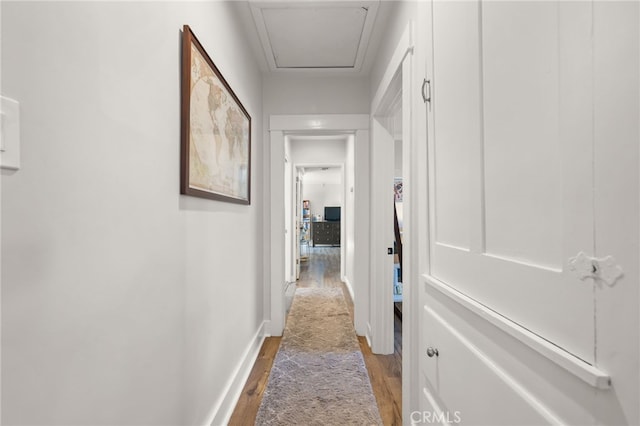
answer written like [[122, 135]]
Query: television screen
[[332, 214]]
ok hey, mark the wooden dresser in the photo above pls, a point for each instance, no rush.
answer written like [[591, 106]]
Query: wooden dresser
[[325, 233]]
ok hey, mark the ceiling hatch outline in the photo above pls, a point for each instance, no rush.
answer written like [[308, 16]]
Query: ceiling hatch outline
[[317, 35]]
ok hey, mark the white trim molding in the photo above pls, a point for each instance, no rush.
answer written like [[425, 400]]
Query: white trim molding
[[586, 372], [311, 124], [323, 122], [475, 355], [396, 86], [404, 47], [223, 408], [258, 8]]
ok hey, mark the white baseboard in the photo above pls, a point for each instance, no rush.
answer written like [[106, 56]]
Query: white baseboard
[[368, 335], [346, 282], [222, 409], [269, 329]]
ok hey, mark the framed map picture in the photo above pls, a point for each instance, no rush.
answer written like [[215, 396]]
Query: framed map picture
[[215, 149]]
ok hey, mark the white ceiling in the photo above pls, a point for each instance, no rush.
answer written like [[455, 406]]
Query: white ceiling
[[315, 35]]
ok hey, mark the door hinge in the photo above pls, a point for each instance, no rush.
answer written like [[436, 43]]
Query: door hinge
[[426, 90], [603, 269]]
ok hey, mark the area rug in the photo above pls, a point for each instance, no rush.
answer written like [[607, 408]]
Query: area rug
[[319, 376]]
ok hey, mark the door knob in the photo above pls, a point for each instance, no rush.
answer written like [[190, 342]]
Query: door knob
[[604, 269], [431, 352]]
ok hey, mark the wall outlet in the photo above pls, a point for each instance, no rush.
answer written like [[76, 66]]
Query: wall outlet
[[9, 134]]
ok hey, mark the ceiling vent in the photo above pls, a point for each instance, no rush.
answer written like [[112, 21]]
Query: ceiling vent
[[314, 35]]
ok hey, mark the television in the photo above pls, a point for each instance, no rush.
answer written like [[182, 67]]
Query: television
[[332, 214]]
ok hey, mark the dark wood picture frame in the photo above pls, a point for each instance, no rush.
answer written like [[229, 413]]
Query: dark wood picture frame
[[215, 149]]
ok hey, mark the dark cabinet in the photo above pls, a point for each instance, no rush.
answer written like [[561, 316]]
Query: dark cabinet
[[325, 233]]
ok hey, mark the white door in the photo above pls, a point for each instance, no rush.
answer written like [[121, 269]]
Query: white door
[[533, 159], [511, 163], [382, 154], [510, 189], [298, 221]]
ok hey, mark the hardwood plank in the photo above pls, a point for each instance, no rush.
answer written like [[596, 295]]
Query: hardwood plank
[[251, 396], [386, 381]]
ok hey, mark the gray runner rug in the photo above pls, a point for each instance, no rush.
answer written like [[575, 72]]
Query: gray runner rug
[[319, 376]]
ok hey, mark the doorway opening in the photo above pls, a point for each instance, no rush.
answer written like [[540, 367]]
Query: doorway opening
[[319, 216], [388, 206], [281, 235], [393, 176]]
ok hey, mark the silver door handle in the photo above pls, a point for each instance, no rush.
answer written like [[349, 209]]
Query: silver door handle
[[426, 90]]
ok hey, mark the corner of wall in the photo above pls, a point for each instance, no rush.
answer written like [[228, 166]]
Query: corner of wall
[[347, 283], [223, 408]]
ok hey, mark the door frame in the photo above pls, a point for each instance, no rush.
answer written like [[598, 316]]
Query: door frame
[[274, 233], [395, 82], [410, 59], [297, 207]]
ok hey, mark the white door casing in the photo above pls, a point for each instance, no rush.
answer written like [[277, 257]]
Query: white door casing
[[381, 334], [396, 82], [298, 219], [403, 76], [280, 126], [289, 217]]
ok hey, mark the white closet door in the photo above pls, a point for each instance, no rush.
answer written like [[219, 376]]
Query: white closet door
[[512, 162]]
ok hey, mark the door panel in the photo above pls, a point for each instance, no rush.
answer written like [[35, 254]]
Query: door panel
[[512, 159], [456, 142], [508, 403], [522, 161]]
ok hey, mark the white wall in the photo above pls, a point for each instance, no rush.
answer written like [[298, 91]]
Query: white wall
[[322, 188], [398, 158], [323, 195], [396, 14], [292, 93], [320, 175], [117, 292], [321, 152]]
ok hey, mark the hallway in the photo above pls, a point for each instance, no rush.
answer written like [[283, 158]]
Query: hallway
[[385, 371], [126, 301]]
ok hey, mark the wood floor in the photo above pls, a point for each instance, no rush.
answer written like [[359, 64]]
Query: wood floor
[[322, 269]]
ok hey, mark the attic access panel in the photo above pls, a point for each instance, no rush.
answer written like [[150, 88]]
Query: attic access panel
[[314, 35]]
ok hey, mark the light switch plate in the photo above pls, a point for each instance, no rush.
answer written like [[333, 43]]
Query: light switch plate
[[9, 134]]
